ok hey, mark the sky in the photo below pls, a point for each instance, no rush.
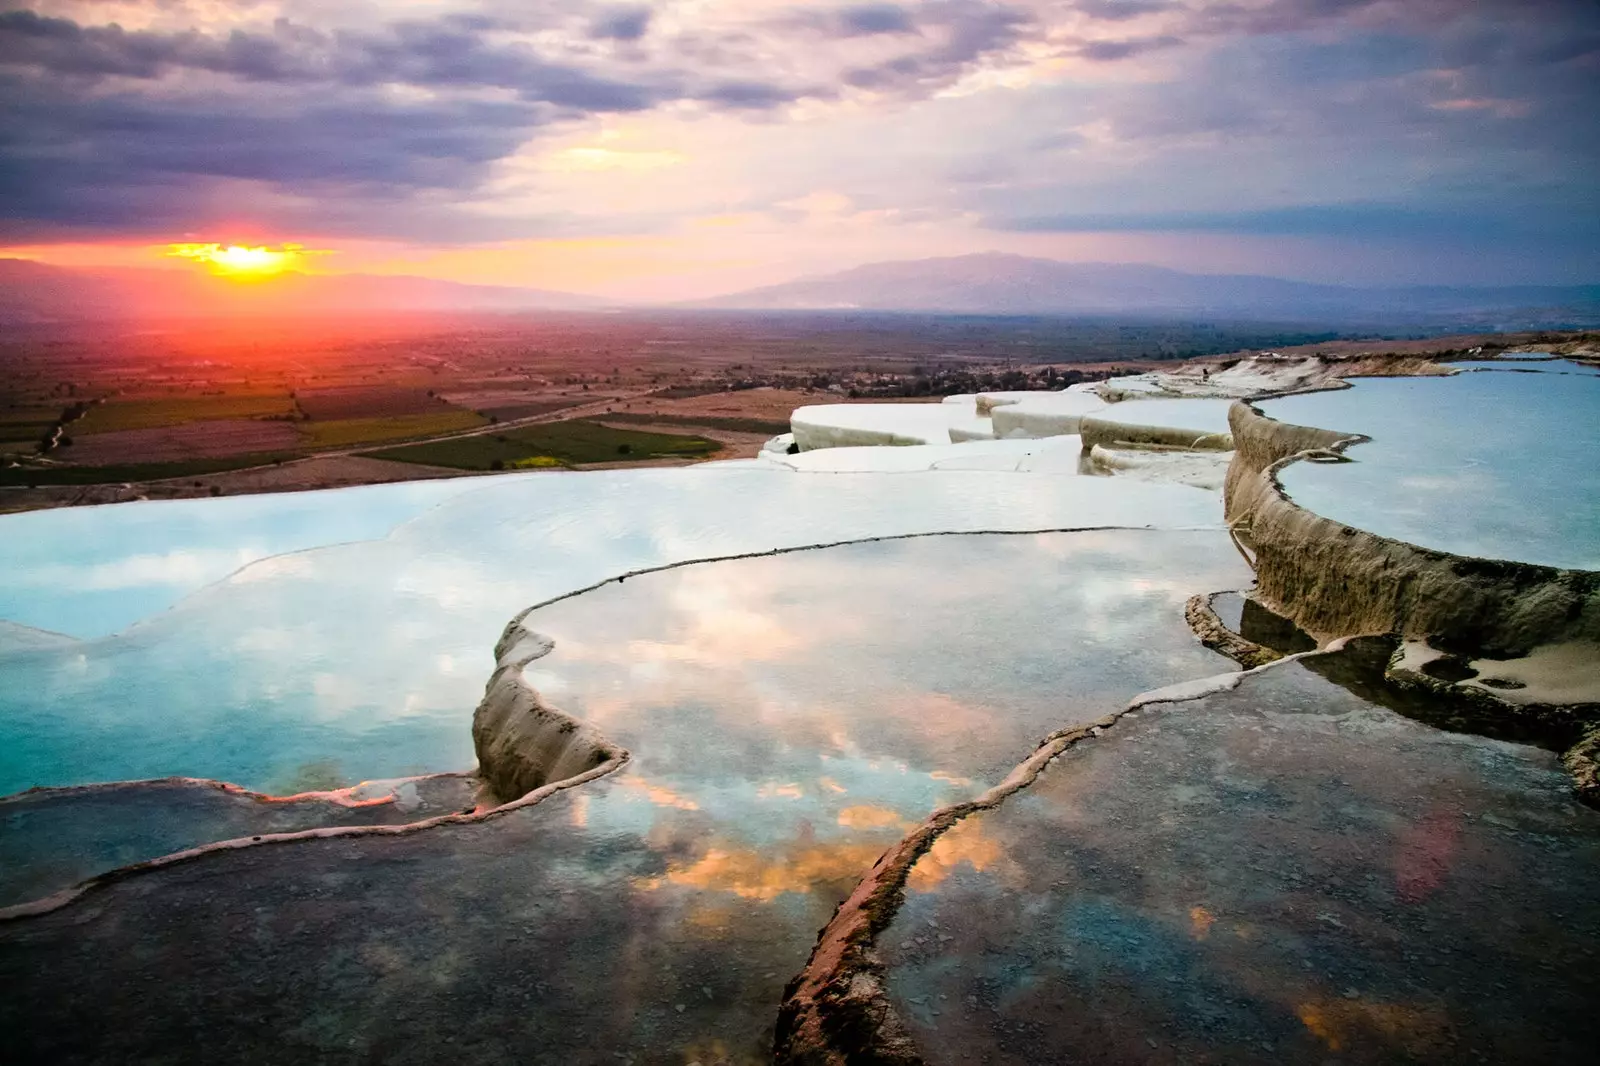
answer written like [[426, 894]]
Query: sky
[[686, 148]]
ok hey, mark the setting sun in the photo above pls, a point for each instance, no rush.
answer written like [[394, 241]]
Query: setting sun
[[236, 260]]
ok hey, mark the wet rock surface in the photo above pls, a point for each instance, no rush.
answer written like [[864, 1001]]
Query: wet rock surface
[[1283, 872], [524, 939], [51, 839]]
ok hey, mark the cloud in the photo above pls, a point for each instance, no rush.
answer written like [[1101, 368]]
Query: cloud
[[876, 18], [442, 54], [622, 23], [1481, 221], [952, 38], [161, 126], [1109, 50], [1122, 10], [1256, 118]]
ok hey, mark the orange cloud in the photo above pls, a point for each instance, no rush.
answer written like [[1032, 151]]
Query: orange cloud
[[660, 796], [865, 816], [752, 875], [963, 843]]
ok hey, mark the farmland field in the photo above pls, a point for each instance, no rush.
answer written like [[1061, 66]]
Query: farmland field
[[192, 440], [114, 415], [768, 427], [351, 431], [25, 426], [570, 443], [367, 401]]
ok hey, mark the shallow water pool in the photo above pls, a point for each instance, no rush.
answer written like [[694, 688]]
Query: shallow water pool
[[364, 660], [90, 571], [1498, 465]]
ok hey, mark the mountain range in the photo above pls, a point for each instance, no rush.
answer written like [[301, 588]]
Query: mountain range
[[993, 283], [987, 283]]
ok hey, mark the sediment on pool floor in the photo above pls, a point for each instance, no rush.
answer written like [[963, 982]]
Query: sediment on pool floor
[[836, 1010], [840, 1009]]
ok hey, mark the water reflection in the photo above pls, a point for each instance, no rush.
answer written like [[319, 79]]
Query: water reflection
[[1496, 465], [789, 716], [776, 706], [1528, 365], [91, 571], [1264, 875], [371, 656]]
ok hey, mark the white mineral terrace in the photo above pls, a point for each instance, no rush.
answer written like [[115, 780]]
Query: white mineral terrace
[[1107, 428]]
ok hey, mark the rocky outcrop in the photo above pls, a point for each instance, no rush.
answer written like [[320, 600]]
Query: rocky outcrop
[[522, 743], [1214, 634], [1582, 761], [1334, 580]]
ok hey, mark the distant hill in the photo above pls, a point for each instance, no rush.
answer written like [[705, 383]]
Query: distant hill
[[987, 283], [994, 283], [36, 292]]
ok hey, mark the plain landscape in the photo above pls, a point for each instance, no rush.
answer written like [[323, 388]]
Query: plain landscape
[[105, 409]]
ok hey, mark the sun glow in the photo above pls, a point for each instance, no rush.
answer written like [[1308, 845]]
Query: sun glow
[[238, 260]]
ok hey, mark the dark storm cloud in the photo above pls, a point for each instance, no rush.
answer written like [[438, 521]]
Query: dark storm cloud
[[106, 127], [1292, 16], [753, 95], [398, 171], [391, 127], [127, 161], [1371, 136]]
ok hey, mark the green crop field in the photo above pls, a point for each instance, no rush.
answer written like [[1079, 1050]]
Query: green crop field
[[349, 431], [732, 425], [115, 415], [572, 443], [133, 472]]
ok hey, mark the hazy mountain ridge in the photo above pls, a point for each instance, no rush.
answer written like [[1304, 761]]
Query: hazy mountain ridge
[[985, 283], [36, 292], [1012, 284]]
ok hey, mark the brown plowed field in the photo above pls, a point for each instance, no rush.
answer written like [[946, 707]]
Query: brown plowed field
[[193, 440]]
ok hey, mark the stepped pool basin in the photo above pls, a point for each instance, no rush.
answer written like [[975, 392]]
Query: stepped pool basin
[[364, 660], [1495, 464]]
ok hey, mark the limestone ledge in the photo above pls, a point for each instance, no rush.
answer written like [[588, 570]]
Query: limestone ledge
[[523, 744], [1334, 580], [1111, 433]]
